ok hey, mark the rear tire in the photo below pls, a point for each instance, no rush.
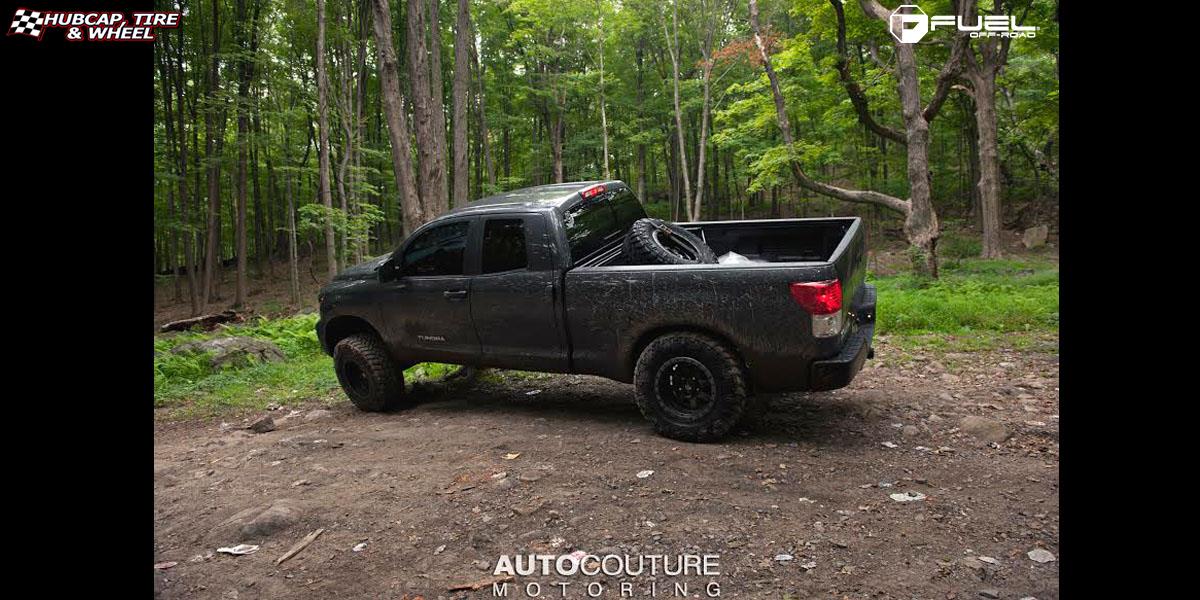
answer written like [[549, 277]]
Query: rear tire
[[367, 373], [691, 387], [657, 242]]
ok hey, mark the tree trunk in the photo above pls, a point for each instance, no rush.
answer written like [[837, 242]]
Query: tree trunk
[[393, 107], [989, 164], [213, 250], [430, 176], [673, 47], [438, 104], [603, 114], [481, 105], [462, 74], [323, 142]]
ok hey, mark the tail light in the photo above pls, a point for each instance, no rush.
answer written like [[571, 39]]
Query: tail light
[[589, 192], [822, 300]]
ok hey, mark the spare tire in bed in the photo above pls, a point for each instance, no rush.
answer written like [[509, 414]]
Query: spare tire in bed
[[656, 242]]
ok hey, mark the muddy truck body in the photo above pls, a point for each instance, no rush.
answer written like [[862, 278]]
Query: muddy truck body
[[540, 279]]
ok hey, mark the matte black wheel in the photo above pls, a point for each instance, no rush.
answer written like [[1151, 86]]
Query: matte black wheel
[[368, 374], [690, 386], [654, 241]]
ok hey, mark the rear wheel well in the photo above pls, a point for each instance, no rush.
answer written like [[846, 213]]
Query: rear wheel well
[[343, 327], [649, 336]]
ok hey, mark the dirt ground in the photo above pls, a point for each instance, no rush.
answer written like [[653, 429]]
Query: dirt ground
[[432, 496]]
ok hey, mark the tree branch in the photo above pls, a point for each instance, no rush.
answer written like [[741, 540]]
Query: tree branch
[[785, 129], [857, 97]]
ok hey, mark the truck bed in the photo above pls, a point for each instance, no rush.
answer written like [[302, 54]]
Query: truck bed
[[762, 241], [749, 303]]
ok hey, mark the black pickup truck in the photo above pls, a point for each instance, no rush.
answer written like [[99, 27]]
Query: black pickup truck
[[536, 279]]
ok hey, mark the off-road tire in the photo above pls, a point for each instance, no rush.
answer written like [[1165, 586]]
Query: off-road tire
[[726, 377], [644, 245], [367, 373]]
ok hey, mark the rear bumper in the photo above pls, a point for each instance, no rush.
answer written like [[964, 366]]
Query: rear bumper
[[839, 371]]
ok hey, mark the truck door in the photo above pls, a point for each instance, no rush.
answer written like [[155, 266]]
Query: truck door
[[515, 295], [427, 306]]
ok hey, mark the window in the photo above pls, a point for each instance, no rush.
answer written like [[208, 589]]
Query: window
[[590, 224], [597, 221], [504, 245], [437, 251]]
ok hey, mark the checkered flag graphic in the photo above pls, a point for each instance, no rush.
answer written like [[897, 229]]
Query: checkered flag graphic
[[27, 22]]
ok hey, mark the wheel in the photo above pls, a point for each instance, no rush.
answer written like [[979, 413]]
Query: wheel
[[690, 386], [368, 374], [656, 242]]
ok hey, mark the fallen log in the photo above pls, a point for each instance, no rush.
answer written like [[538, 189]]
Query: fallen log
[[205, 322]]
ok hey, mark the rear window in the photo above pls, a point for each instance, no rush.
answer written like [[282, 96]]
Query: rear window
[[595, 222]]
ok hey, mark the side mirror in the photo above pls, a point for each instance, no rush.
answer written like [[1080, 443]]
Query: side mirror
[[389, 270]]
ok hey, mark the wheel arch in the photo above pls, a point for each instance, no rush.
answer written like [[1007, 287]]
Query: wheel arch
[[344, 326], [643, 340]]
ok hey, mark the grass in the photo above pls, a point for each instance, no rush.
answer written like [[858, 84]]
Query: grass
[[976, 305], [188, 386]]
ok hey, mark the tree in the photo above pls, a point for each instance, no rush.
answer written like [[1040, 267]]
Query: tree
[[397, 123], [980, 75], [462, 75], [920, 223], [323, 142]]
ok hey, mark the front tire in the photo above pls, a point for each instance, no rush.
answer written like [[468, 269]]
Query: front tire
[[367, 373], [691, 387]]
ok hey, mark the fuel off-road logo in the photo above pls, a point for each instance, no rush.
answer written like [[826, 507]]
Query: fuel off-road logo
[[93, 26], [908, 24]]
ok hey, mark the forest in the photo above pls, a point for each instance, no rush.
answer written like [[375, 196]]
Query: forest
[[295, 137]]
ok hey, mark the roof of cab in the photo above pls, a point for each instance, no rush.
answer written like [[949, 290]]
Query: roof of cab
[[550, 196]]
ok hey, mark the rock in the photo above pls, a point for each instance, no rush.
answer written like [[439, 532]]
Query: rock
[[529, 476], [260, 521], [233, 352], [983, 428], [263, 424], [990, 593], [1041, 555], [505, 484], [1035, 236], [910, 431], [319, 413]]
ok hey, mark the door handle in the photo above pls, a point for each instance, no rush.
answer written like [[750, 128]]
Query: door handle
[[454, 295]]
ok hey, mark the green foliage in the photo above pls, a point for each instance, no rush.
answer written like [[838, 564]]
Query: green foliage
[[187, 383], [993, 296]]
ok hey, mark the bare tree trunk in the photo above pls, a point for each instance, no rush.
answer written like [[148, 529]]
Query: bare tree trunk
[[323, 141], [989, 164], [430, 176], [393, 107], [462, 74], [641, 148], [673, 47], [603, 114], [481, 101], [438, 104], [211, 152], [981, 73], [246, 44]]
